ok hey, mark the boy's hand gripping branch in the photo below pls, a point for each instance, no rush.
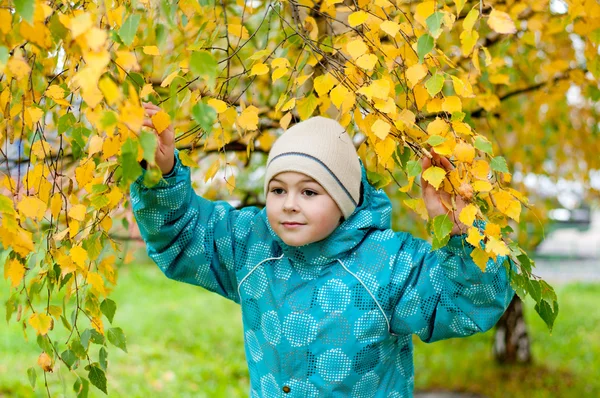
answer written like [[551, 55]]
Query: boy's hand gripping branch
[[165, 150]]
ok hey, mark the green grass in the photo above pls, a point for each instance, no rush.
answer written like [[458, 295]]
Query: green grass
[[185, 342]]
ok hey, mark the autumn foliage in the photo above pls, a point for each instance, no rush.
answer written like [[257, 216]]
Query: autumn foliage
[[482, 83]]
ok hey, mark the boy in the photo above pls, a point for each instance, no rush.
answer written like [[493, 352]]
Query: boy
[[330, 295]]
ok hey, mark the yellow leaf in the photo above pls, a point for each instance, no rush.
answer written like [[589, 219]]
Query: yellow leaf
[[146, 90], [22, 242], [56, 204], [492, 229], [248, 119], [367, 61], [95, 145], [390, 27], [418, 205], [480, 169], [32, 207], [151, 50], [110, 90], [218, 105], [284, 122], [387, 106], [55, 92], [499, 78], [452, 104], [381, 129], [80, 24], [55, 311], [481, 186], [467, 215], [415, 74], [18, 67], [310, 25], [77, 212], [33, 115], [259, 69], [106, 223], [302, 79], [5, 20], [357, 18], [161, 121], [280, 63], [434, 175], [470, 20], [462, 128], [356, 48], [14, 270], [97, 324], [84, 173], [434, 105], [385, 149], [279, 73], [238, 30], [95, 280], [186, 159], [95, 38], [438, 127], [468, 39], [114, 196], [78, 255], [323, 84], [381, 88], [480, 258], [289, 105], [474, 236], [231, 184], [41, 149], [464, 152], [424, 9], [501, 22], [496, 246], [212, 170], [338, 94], [508, 205], [169, 78], [40, 322]]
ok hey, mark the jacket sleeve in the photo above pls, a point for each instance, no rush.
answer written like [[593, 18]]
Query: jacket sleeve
[[443, 293], [190, 238]]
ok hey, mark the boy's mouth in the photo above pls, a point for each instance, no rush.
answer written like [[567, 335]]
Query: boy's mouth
[[291, 224]]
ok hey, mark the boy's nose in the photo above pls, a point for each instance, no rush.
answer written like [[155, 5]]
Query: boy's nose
[[290, 203]]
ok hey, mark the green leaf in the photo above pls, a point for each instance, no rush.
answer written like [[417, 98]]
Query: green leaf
[[499, 164], [204, 115], [108, 308], [439, 243], [435, 140], [81, 387], [69, 358], [413, 168], [483, 145], [525, 262], [534, 289], [78, 349], [6, 205], [85, 338], [96, 337], [130, 168], [11, 303], [32, 377], [547, 312], [203, 64], [442, 226], [44, 343], [65, 123], [149, 143], [97, 378], [117, 338], [3, 55], [306, 106], [103, 355], [434, 84], [434, 23], [25, 9], [152, 176], [129, 28], [424, 46]]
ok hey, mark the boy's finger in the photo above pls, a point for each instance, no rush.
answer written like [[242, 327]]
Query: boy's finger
[[148, 123]]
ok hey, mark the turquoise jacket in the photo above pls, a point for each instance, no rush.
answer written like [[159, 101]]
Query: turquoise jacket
[[329, 319]]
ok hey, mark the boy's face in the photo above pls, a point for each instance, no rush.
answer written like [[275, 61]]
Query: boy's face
[[299, 209]]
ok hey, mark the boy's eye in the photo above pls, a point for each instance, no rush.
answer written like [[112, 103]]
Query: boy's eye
[[308, 192], [277, 191]]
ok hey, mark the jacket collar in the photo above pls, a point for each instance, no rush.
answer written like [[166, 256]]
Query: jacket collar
[[372, 213]]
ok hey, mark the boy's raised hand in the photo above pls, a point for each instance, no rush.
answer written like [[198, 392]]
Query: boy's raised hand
[[165, 150], [436, 200]]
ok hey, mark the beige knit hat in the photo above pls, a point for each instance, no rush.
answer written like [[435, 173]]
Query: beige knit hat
[[321, 149]]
